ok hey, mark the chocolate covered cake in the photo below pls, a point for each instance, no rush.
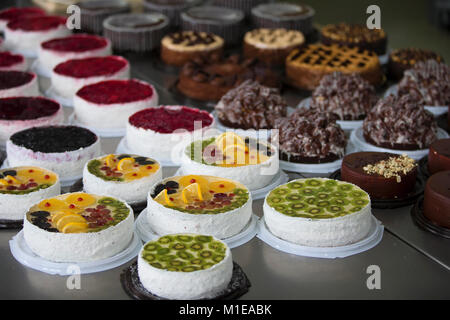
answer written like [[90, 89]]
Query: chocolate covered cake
[[436, 202], [348, 96], [439, 156], [400, 123], [401, 60]]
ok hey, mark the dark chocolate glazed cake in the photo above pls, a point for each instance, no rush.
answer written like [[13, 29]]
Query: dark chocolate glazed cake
[[436, 202], [404, 59], [439, 156]]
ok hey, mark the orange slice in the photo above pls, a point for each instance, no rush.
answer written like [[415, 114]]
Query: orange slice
[[125, 164], [189, 179], [80, 199], [75, 227], [51, 205], [191, 193], [229, 138], [11, 178], [4, 182], [163, 198], [222, 186], [58, 215], [109, 160], [69, 218]]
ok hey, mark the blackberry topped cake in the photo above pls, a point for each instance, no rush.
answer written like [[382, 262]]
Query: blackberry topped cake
[[13, 13], [436, 199], [18, 84], [78, 227], [318, 212], [11, 61], [401, 60], [400, 123], [128, 177], [199, 204], [439, 156], [348, 96], [382, 175], [251, 106]]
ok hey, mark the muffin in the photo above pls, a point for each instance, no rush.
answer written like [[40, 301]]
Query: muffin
[[401, 60]]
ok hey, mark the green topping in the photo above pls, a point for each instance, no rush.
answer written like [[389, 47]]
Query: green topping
[[94, 169], [27, 191], [200, 145]]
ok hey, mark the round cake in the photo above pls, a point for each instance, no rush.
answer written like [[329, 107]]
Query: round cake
[[244, 5], [78, 46], [78, 227], [18, 84], [108, 104], [94, 12], [400, 123], [172, 8], [308, 136], [22, 187], [382, 175], [70, 76], [252, 162], [401, 60], [13, 13], [436, 200], [12, 62], [124, 176], [199, 204], [318, 212], [185, 266], [439, 156], [62, 149], [180, 47], [19, 113], [348, 96], [156, 132], [251, 106]]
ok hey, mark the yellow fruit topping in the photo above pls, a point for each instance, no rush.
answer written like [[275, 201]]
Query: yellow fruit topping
[[227, 139], [192, 193], [11, 180], [52, 205], [110, 160], [163, 198], [125, 164], [55, 217], [4, 182], [190, 179], [80, 199], [75, 227], [222, 186], [69, 218]]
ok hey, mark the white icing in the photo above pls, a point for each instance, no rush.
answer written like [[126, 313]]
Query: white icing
[[25, 90], [19, 66]]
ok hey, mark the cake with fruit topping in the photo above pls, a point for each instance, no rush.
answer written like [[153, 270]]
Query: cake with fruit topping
[[199, 204], [436, 201], [404, 59], [78, 227], [12, 62], [77, 46], [318, 212], [70, 76], [108, 104], [439, 156], [155, 132], [185, 266], [18, 84], [19, 113], [13, 13], [22, 187], [252, 162], [382, 175], [63, 149], [128, 177]]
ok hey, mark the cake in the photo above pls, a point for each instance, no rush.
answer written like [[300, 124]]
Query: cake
[[12, 62], [400, 123], [108, 104], [62, 149], [306, 66], [78, 46], [308, 136], [13, 13], [185, 266], [70, 76], [401, 60], [271, 45], [78, 227], [429, 83], [439, 156], [436, 199], [199, 204], [208, 79], [355, 35], [318, 212], [251, 106], [180, 47], [18, 84], [124, 176], [94, 12], [348, 96], [28, 33], [252, 162], [22, 187], [243, 5], [172, 8], [19, 113], [382, 175], [155, 132]]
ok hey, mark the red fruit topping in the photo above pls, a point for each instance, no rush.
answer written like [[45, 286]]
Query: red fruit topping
[[104, 168], [26, 108], [32, 185], [100, 206], [22, 187], [31, 170], [91, 67], [80, 199], [192, 181], [37, 23], [134, 175], [211, 191], [11, 188], [9, 181], [47, 176], [8, 59], [71, 206], [149, 167], [171, 199], [75, 43], [16, 13], [221, 186], [47, 204]]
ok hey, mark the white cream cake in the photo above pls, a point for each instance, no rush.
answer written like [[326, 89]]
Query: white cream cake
[[18, 84]]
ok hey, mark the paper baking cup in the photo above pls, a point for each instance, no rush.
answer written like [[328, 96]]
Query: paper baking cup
[[371, 240], [244, 5], [104, 133], [357, 138], [92, 20], [23, 254], [145, 232], [172, 11]]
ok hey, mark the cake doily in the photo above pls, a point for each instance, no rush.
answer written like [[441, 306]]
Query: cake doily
[[425, 223]]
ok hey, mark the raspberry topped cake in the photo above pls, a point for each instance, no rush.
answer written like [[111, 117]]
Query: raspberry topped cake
[[11, 61], [70, 76], [18, 84], [199, 204], [15, 13], [77, 46], [401, 60], [154, 132], [22, 187], [128, 177], [108, 104], [78, 227]]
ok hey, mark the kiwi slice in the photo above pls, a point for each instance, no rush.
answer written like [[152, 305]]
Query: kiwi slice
[[330, 183], [322, 196], [178, 246], [149, 257], [280, 207], [184, 238], [322, 203], [289, 212], [177, 263], [167, 257], [165, 239], [206, 254], [190, 268], [203, 239], [325, 189], [360, 202], [355, 209], [299, 206], [197, 261], [157, 265], [184, 255], [313, 182], [307, 192], [274, 200], [217, 246], [196, 246], [338, 194], [218, 257], [310, 201], [207, 265], [163, 251], [280, 191], [172, 269], [339, 201], [294, 198], [315, 211], [335, 209], [345, 187], [295, 185], [151, 246], [357, 194]]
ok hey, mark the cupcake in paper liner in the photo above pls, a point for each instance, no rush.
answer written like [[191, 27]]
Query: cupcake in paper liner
[[172, 9], [94, 12], [244, 5]]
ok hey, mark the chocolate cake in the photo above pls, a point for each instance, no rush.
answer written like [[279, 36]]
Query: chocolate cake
[[439, 156], [436, 202], [401, 60], [251, 106], [348, 96], [171, 8], [94, 12], [382, 175], [400, 123], [244, 5]]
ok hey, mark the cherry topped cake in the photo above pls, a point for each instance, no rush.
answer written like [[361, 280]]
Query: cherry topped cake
[[78, 227], [382, 175], [77, 46], [154, 132], [199, 204], [439, 156], [18, 84], [70, 76], [127, 177], [63, 149], [22, 187], [12, 61], [14, 13]]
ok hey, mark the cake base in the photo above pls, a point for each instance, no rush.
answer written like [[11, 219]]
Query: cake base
[[426, 224]]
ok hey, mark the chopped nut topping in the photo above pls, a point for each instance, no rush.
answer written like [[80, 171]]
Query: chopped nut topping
[[392, 167]]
